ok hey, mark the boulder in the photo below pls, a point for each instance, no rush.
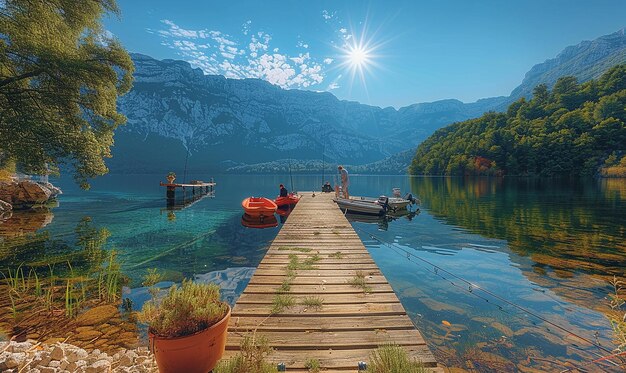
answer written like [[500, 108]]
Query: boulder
[[26, 193], [5, 210]]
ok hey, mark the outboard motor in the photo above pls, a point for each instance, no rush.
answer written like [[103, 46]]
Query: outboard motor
[[384, 202], [410, 197]]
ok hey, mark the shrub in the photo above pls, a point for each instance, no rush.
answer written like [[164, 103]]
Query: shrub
[[184, 310]]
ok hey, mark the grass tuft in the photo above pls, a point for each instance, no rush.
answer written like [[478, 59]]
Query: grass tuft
[[251, 358], [313, 301], [299, 249], [359, 281], [313, 365], [336, 255], [282, 302], [392, 358]]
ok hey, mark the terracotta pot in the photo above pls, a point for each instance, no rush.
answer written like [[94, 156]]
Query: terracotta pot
[[199, 352]]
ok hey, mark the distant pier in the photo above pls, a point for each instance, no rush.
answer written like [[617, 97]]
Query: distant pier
[[190, 191], [317, 294]]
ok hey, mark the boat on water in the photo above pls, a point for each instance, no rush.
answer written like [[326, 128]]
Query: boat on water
[[259, 206], [395, 203], [377, 207], [289, 200], [258, 222]]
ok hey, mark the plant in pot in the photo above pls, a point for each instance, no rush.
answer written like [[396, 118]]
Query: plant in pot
[[171, 177], [187, 327]]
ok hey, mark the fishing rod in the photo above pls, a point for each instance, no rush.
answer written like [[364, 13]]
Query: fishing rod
[[290, 176]]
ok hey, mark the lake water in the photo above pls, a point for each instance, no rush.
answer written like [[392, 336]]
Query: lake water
[[498, 275]]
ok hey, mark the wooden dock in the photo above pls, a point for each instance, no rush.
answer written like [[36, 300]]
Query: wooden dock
[[352, 320]]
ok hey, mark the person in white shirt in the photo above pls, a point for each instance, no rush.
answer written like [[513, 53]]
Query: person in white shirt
[[345, 181]]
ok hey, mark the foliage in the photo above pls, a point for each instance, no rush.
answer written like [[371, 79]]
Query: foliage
[[60, 76], [569, 131], [250, 359], [393, 359], [7, 171], [184, 310], [618, 316]]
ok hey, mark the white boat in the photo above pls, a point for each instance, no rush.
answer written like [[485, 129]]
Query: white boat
[[363, 206], [394, 203]]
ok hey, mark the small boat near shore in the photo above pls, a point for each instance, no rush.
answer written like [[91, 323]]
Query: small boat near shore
[[364, 206], [290, 200], [259, 206]]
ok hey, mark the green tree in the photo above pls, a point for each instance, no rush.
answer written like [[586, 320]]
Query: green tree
[[570, 131], [60, 76]]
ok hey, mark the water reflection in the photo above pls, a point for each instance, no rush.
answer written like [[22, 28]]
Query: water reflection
[[565, 237]]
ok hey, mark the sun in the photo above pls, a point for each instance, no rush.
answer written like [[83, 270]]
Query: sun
[[358, 56]]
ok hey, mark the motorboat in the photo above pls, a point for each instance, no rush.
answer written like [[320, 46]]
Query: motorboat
[[259, 222], [289, 200], [364, 206], [259, 206], [395, 203]]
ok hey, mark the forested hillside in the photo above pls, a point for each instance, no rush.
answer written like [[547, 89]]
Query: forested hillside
[[575, 129]]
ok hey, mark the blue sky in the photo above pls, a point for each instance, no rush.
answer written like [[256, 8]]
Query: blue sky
[[383, 53]]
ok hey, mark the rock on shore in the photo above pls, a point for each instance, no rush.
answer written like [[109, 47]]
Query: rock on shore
[[26, 193], [34, 357]]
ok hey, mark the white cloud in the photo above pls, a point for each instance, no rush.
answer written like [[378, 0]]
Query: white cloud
[[328, 61], [343, 30], [245, 28], [334, 84], [328, 15], [227, 56]]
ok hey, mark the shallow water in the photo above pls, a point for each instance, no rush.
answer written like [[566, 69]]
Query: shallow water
[[542, 251]]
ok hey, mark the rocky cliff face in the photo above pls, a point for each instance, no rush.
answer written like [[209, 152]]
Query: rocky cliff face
[[586, 60], [225, 122]]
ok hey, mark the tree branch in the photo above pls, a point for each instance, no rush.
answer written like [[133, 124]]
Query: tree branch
[[14, 79]]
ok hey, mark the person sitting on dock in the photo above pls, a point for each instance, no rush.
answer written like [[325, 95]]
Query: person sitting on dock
[[326, 188], [283, 191]]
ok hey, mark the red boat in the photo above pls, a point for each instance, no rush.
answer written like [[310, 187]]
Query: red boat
[[291, 199], [259, 223], [259, 206]]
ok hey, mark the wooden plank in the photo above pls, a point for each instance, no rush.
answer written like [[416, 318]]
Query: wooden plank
[[327, 299], [339, 359], [301, 280], [349, 309], [337, 323], [339, 340], [349, 324]]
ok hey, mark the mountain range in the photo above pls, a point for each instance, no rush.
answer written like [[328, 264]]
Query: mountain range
[[177, 115]]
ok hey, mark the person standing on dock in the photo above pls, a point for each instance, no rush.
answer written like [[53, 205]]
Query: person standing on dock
[[345, 181], [283, 191]]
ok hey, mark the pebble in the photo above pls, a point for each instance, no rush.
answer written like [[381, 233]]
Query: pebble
[[62, 357]]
